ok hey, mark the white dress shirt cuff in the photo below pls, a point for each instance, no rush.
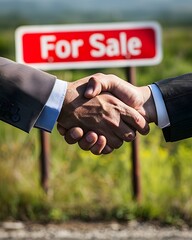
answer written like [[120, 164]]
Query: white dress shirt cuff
[[50, 113], [162, 116]]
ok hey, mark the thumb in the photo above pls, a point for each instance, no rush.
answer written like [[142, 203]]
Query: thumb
[[93, 88], [61, 129], [101, 83]]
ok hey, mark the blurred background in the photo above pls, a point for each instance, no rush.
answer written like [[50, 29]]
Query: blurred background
[[81, 185]]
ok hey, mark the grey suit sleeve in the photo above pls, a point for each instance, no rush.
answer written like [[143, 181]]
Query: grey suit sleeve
[[23, 93], [177, 95]]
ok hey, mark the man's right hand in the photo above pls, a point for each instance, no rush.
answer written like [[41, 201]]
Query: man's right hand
[[103, 114], [138, 98]]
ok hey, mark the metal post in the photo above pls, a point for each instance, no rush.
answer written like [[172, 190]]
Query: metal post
[[136, 183], [44, 159]]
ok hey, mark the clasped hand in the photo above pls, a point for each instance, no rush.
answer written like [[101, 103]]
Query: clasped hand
[[102, 111]]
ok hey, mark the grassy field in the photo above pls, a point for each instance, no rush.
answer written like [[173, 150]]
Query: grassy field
[[99, 187]]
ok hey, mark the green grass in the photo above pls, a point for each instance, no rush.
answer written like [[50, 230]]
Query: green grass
[[85, 186]]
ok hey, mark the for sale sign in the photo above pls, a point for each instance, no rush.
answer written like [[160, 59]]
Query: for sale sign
[[89, 45]]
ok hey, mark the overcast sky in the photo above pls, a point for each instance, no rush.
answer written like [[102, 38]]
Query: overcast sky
[[111, 9]]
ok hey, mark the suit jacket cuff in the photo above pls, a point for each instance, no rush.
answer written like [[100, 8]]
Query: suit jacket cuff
[[162, 116], [50, 113]]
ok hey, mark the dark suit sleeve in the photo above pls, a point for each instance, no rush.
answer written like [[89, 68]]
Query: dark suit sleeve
[[23, 93], [177, 95]]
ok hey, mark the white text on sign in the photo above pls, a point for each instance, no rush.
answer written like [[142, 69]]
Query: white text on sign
[[101, 46]]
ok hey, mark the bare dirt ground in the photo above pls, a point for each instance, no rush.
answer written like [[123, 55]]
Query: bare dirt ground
[[92, 231]]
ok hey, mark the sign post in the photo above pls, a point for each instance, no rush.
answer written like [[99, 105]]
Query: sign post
[[136, 178], [44, 159], [82, 46]]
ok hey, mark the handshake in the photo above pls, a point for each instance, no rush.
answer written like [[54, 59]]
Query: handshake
[[102, 111]]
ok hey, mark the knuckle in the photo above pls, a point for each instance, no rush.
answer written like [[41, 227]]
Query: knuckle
[[98, 75], [129, 137], [145, 130], [112, 75], [70, 140], [95, 151], [83, 147], [115, 144]]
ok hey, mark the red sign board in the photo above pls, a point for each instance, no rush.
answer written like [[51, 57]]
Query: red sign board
[[89, 45]]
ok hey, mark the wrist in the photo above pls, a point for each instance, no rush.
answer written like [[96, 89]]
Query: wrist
[[148, 105], [71, 107], [64, 110]]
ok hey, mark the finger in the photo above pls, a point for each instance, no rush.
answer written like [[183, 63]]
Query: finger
[[125, 133], [73, 135], [88, 140], [100, 82], [93, 88], [61, 129], [135, 120], [91, 139], [99, 146], [107, 150], [116, 140]]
